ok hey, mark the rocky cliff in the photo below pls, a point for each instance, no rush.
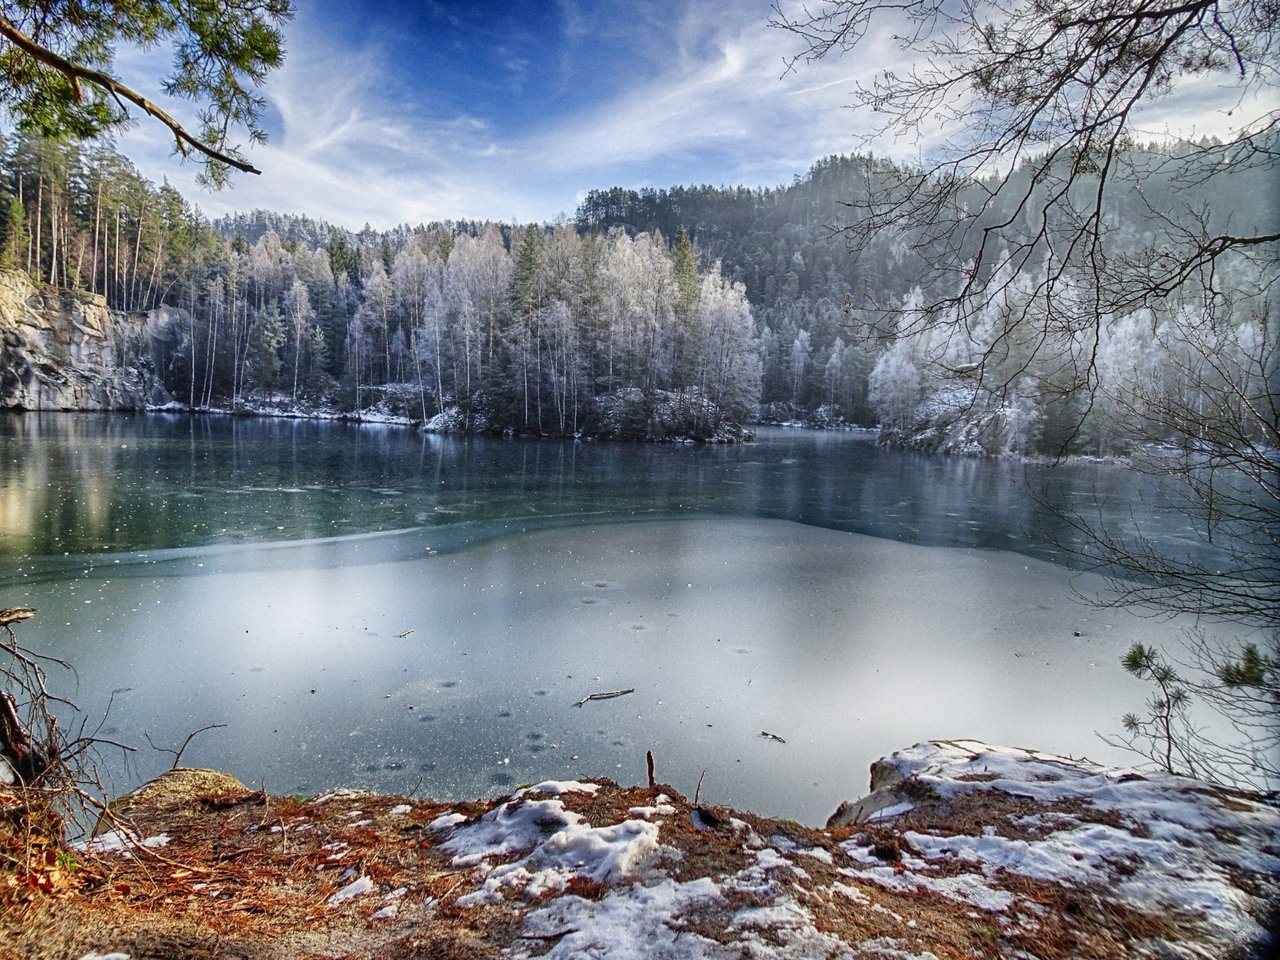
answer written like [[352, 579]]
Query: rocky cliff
[[64, 350]]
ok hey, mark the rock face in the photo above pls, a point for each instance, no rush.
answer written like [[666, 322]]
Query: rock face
[[64, 350]]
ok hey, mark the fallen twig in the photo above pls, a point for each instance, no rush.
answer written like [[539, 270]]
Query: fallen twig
[[547, 936], [15, 615], [771, 736], [609, 695]]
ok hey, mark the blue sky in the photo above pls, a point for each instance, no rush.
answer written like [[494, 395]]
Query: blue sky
[[406, 112]]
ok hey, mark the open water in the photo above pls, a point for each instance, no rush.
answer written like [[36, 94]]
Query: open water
[[368, 606]]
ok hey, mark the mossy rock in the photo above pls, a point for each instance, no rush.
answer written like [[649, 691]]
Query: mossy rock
[[174, 788]]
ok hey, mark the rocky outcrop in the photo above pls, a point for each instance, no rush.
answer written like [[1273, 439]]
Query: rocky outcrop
[[65, 350], [1181, 867]]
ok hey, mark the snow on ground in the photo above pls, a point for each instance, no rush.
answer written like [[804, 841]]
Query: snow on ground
[[573, 848], [1154, 840], [962, 850], [1151, 842], [289, 409]]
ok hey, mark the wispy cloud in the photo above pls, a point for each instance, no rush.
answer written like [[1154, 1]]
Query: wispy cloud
[[356, 142], [650, 95], [719, 98]]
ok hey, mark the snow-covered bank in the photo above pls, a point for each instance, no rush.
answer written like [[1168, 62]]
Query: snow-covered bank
[[287, 409], [624, 415], [984, 852]]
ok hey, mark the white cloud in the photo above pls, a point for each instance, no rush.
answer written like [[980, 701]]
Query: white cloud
[[349, 144], [705, 98], [345, 149], [723, 94]]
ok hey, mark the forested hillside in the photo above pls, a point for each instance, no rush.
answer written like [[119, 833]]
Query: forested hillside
[[722, 304], [838, 336]]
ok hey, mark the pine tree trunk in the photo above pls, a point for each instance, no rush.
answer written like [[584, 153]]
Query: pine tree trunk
[[53, 233], [39, 218], [137, 250], [152, 283], [97, 223], [115, 265]]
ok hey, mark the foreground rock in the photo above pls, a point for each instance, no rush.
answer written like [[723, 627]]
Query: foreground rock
[[963, 850]]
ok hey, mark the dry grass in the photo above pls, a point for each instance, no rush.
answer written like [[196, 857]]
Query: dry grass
[[246, 875]]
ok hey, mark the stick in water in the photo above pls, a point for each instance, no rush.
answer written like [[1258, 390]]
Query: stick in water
[[604, 696]]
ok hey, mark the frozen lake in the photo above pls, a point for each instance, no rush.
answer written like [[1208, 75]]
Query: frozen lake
[[364, 606]]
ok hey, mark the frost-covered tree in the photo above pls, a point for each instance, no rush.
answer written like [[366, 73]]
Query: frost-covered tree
[[684, 338], [833, 372], [727, 357], [652, 298], [800, 353], [298, 315], [376, 304], [430, 336], [895, 387]]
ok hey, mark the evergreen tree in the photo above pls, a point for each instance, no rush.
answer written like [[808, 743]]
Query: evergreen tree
[[268, 335], [13, 233], [684, 346], [57, 61]]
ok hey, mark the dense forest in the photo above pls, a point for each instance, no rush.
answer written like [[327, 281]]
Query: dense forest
[[720, 304]]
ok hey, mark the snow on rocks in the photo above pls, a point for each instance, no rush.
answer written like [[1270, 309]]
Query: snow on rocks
[[1146, 841]]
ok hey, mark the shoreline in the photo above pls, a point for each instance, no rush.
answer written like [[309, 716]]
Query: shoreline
[[373, 417]]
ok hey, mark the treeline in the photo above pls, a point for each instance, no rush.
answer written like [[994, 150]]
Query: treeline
[[720, 304], [835, 333], [496, 326], [83, 218]]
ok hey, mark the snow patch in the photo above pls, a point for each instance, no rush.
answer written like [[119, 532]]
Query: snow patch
[[1153, 839], [356, 888], [552, 845], [555, 788]]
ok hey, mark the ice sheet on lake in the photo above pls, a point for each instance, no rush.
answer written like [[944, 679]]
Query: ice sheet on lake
[[454, 675]]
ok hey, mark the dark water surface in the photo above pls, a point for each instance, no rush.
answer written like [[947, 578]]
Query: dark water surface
[[369, 606]]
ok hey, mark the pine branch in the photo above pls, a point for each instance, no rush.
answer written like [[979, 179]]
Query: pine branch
[[76, 73]]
